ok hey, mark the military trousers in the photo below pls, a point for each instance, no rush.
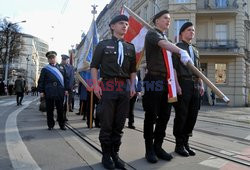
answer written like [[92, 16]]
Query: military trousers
[[50, 104], [112, 111], [186, 110], [156, 107]]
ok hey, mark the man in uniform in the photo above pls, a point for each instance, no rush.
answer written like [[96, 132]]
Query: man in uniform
[[155, 101], [190, 89], [71, 76], [53, 85], [117, 63]]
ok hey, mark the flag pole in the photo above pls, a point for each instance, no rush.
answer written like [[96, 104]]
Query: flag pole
[[189, 65]]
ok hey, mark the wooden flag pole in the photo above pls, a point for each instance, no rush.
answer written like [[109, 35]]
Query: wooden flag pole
[[189, 65], [91, 110]]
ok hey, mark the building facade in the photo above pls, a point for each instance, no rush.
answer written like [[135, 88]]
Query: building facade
[[222, 37], [30, 61]]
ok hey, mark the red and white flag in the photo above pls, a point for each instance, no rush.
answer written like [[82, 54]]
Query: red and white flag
[[136, 35]]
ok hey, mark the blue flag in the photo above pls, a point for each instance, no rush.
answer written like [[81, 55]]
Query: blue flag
[[85, 53]]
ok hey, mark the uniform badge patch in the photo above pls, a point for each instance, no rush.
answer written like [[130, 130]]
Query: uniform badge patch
[[110, 47]]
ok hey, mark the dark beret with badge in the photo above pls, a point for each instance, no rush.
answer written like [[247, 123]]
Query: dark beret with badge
[[185, 26], [158, 15], [118, 18], [51, 54], [64, 57]]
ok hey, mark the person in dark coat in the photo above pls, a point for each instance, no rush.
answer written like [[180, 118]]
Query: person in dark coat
[[83, 100], [2, 90], [19, 89], [138, 87], [53, 85]]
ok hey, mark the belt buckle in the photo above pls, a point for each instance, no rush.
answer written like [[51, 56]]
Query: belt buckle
[[194, 78], [54, 83]]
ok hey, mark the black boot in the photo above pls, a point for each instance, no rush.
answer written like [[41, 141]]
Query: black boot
[[186, 145], [106, 157], [161, 153], [119, 164], [150, 153], [180, 149]]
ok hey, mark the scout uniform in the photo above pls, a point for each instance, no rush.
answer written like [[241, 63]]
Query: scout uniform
[[115, 69]]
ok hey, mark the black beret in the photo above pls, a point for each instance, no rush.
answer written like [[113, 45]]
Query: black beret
[[64, 57], [185, 26], [118, 18], [51, 53], [158, 15]]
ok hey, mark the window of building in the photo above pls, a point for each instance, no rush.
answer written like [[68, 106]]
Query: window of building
[[221, 3], [221, 33], [177, 25], [220, 73], [156, 7], [182, 1]]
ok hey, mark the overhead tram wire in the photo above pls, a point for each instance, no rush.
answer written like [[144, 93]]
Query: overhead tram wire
[[64, 6]]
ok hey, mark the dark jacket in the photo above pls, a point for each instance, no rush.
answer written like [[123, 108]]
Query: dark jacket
[[19, 85], [50, 85]]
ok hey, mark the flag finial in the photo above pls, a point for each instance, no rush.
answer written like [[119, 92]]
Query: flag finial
[[94, 11]]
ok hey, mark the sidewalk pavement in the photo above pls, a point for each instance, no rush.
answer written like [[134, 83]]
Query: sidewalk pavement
[[133, 151]]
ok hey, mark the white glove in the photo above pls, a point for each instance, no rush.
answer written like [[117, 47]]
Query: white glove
[[185, 58]]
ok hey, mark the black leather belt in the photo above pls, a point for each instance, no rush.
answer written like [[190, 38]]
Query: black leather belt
[[154, 73], [114, 79], [191, 78]]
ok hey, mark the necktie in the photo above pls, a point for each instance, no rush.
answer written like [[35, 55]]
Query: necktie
[[191, 52], [120, 54]]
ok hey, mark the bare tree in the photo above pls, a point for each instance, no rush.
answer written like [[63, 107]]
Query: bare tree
[[10, 39]]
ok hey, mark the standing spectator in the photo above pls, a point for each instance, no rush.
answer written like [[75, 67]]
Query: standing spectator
[[10, 89], [82, 91], [132, 102], [1, 88], [19, 89], [53, 85], [213, 98]]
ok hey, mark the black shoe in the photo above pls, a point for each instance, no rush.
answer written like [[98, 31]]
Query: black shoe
[[131, 126], [71, 110], [83, 118], [50, 128], [97, 126], [150, 155], [107, 162], [119, 164], [181, 151], [17, 104], [63, 128], [191, 152], [160, 153], [77, 113], [66, 119]]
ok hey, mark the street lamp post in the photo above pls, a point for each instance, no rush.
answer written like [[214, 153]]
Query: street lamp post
[[8, 50], [27, 59]]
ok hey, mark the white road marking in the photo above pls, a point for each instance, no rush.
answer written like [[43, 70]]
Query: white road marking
[[8, 103], [19, 155], [248, 137], [214, 162]]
